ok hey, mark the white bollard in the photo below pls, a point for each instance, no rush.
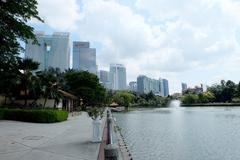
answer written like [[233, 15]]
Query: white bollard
[[97, 136]]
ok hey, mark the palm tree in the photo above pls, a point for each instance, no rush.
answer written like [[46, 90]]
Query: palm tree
[[26, 66], [51, 81]]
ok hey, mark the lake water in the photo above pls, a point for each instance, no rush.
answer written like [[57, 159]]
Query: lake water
[[207, 133]]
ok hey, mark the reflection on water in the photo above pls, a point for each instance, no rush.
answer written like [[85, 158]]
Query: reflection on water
[[182, 133]]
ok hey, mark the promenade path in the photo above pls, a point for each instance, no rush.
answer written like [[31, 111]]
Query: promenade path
[[69, 140]]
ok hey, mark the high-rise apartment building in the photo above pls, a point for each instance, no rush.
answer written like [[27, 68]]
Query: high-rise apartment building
[[146, 85], [52, 51], [165, 87], [84, 57], [184, 87], [142, 84], [161, 87], [158, 87], [154, 86], [118, 76]]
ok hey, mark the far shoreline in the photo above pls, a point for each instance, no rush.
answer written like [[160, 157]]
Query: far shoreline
[[211, 104]]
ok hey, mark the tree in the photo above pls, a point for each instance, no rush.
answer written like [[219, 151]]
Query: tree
[[51, 81], [238, 90], [206, 97], [190, 98], [9, 80], [217, 91], [26, 66], [123, 98], [223, 92], [163, 101], [236, 100], [86, 86], [229, 91], [150, 96], [13, 28]]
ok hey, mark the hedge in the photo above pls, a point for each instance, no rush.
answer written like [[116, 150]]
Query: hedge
[[34, 115]]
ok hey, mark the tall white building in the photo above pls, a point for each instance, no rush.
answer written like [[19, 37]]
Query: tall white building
[[84, 57], [118, 78], [52, 51]]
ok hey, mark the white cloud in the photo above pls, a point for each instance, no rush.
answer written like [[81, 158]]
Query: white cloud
[[220, 46], [59, 14], [111, 23]]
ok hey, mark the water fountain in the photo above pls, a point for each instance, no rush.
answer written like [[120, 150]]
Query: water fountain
[[174, 103]]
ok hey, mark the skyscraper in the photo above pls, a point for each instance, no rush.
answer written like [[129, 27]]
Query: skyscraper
[[52, 51], [161, 87], [165, 87], [84, 57], [184, 87], [104, 79], [142, 84], [158, 87], [146, 85], [118, 76]]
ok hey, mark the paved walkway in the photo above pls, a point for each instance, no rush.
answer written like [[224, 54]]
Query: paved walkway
[[69, 140]]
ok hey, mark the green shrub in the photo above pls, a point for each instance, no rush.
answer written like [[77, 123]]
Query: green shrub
[[236, 100], [1, 113], [34, 115], [190, 98]]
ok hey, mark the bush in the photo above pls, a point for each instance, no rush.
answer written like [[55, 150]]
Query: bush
[[236, 100], [190, 98], [1, 114], [34, 115]]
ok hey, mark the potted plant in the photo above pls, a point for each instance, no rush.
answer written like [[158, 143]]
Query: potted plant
[[96, 113]]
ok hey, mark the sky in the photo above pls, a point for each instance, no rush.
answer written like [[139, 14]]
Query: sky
[[191, 41]]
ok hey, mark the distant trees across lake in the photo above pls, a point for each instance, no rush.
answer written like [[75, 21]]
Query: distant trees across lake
[[224, 92], [134, 99]]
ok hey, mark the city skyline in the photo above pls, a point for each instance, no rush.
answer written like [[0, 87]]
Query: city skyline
[[159, 38], [84, 58], [53, 48]]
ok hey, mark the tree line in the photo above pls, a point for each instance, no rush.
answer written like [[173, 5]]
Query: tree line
[[134, 99], [224, 92]]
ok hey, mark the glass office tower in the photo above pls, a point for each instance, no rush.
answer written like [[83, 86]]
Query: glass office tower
[[84, 57], [52, 50]]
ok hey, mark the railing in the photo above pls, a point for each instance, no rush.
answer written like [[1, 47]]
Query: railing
[[110, 150]]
